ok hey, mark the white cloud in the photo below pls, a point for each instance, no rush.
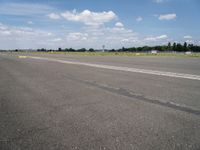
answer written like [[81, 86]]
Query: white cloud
[[116, 29], [23, 37], [130, 40], [54, 16], [49, 34], [6, 32], [125, 40], [30, 22], [158, 1], [88, 17], [57, 40], [190, 41], [162, 37], [167, 16], [77, 36], [24, 32], [118, 36], [187, 37], [139, 19], [119, 24], [157, 38], [150, 39], [2, 27], [87, 37], [24, 9]]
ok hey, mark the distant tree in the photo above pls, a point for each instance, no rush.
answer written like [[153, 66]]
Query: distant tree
[[191, 47], [132, 49], [196, 48], [169, 46], [145, 48], [66, 49], [185, 46], [179, 48], [91, 50], [139, 49], [174, 46], [71, 50], [81, 50], [123, 49], [41, 50], [158, 48], [112, 50], [59, 49]]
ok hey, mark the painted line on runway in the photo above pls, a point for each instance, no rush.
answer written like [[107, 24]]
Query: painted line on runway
[[22, 57], [126, 69]]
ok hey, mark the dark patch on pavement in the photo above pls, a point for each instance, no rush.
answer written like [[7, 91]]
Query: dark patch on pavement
[[130, 94]]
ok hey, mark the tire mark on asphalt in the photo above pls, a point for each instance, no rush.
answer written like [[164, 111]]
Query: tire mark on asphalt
[[139, 97]]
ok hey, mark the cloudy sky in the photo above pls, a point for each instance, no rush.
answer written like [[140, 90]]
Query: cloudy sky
[[93, 23]]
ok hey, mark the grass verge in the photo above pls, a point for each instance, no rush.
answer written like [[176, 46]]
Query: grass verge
[[130, 54]]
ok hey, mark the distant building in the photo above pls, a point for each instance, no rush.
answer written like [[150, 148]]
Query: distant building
[[188, 53], [154, 51]]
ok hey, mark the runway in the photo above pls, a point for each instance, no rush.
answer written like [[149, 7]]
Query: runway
[[54, 101]]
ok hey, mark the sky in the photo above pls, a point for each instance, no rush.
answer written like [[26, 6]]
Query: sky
[[32, 24]]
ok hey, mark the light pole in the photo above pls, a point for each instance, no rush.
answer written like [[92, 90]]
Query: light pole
[[103, 46]]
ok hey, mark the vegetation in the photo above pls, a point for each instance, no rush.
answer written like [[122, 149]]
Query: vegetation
[[175, 47], [171, 49]]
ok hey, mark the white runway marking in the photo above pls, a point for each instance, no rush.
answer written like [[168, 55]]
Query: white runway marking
[[127, 69], [2, 54]]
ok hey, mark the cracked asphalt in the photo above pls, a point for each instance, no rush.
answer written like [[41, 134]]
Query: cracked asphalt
[[50, 105]]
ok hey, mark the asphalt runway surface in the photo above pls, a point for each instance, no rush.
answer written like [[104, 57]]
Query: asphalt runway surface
[[54, 101]]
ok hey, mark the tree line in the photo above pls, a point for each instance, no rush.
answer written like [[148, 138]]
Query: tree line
[[170, 47]]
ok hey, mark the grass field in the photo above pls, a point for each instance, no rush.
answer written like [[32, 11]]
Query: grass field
[[130, 54]]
